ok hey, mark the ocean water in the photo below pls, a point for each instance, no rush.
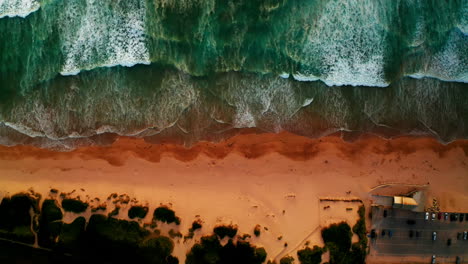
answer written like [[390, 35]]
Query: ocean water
[[77, 72]]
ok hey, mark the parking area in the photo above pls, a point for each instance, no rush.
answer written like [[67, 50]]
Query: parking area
[[403, 233]]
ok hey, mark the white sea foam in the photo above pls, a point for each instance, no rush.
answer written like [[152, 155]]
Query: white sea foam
[[348, 43], [305, 78], [101, 36], [284, 75], [450, 63], [21, 8], [24, 129]]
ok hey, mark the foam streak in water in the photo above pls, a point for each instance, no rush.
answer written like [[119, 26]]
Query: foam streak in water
[[21, 8], [108, 36]]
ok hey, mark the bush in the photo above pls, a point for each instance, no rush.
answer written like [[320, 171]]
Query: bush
[[337, 238], [106, 236], [137, 211], [358, 249], [71, 237], [360, 227], [195, 225], [223, 231], [310, 256], [157, 251], [165, 215], [257, 230], [209, 250], [74, 205], [287, 260], [50, 223], [174, 234], [338, 234], [15, 219]]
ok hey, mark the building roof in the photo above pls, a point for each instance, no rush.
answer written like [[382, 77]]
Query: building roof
[[404, 201]]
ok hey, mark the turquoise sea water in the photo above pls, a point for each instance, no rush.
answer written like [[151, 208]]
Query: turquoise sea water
[[201, 69]]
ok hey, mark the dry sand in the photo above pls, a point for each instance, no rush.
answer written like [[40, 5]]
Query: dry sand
[[275, 180]]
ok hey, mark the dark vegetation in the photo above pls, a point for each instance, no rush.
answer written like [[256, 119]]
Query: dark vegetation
[[114, 212], [210, 251], [137, 211], [174, 234], [50, 223], [287, 260], [15, 219], [337, 238], [104, 239], [195, 226], [71, 239], [108, 240], [223, 231], [74, 205], [111, 240], [257, 230], [166, 215], [310, 255]]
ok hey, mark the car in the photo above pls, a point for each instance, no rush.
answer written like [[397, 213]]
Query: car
[[465, 235], [461, 217], [384, 213], [452, 217], [426, 217], [433, 216], [390, 233], [434, 235], [411, 233], [439, 216], [410, 222], [449, 242], [433, 259], [446, 216], [383, 232]]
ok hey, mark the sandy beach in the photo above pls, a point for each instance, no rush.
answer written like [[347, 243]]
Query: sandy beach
[[274, 180]]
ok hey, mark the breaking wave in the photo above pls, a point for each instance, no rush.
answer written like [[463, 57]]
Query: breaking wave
[[20, 8], [214, 67]]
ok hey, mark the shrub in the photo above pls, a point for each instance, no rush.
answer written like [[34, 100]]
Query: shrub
[[257, 230], [74, 205], [71, 237], [15, 219], [165, 215], [338, 234], [287, 260], [358, 249], [157, 251], [105, 236], [195, 225], [223, 231], [310, 255], [50, 223], [174, 234], [137, 211], [337, 238], [209, 250]]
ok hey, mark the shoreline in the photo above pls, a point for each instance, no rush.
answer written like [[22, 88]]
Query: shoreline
[[248, 144]]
